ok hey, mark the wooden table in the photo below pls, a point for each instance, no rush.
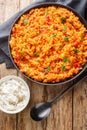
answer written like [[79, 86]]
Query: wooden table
[[70, 113]]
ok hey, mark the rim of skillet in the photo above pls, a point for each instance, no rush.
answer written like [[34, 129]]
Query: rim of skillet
[[39, 5]]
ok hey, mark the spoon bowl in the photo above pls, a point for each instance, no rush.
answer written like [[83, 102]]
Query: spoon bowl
[[40, 111]]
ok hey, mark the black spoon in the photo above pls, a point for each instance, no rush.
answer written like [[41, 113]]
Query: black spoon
[[42, 110]]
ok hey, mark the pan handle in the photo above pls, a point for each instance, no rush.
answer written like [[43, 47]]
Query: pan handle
[[70, 87], [80, 78]]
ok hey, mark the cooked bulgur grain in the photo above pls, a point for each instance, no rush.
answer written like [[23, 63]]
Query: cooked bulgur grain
[[49, 44]]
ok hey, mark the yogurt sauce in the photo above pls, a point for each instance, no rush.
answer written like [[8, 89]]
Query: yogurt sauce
[[13, 94]]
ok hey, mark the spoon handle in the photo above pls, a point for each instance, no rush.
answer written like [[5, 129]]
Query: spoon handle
[[80, 78]]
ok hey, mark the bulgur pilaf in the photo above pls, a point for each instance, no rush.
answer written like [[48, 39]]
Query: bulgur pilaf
[[49, 44]]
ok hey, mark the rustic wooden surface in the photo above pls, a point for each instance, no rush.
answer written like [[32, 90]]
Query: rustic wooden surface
[[70, 113]]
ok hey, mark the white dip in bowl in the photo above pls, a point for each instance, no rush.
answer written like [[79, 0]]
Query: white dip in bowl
[[14, 94]]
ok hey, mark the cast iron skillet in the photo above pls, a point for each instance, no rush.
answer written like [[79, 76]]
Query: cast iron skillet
[[45, 4]]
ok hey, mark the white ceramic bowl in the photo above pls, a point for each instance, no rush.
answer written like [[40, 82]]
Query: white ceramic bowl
[[14, 94]]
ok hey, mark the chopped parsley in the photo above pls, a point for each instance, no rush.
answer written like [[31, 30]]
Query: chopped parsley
[[25, 21], [66, 59], [46, 14], [36, 54], [47, 69], [65, 27], [53, 35], [22, 52], [61, 46], [63, 67], [66, 39], [76, 50], [63, 20]]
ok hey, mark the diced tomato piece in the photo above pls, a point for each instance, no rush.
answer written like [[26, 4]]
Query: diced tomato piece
[[41, 69], [76, 44], [70, 26], [77, 65], [48, 20], [65, 33], [74, 39], [17, 61], [53, 49], [53, 65], [17, 54]]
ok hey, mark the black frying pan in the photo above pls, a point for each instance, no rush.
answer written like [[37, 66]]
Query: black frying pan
[[45, 4]]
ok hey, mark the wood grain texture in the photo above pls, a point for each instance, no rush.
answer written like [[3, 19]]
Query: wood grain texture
[[11, 7], [7, 122], [7, 9], [80, 106], [2, 11], [70, 113], [24, 3]]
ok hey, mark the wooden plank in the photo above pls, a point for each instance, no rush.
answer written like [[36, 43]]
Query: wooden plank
[[11, 7], [7, 122], [61, 115], [2, 10], [7, 9], [24, 3], [80, 106], [24, 120], [5, 72]]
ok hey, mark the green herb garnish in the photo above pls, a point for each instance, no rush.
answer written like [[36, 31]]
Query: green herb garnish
[[46, 14], [66, 59], [47, 69], [36, 54], [53, 35], [65, 28], [66, 39], [63, 20], [76, 50], [25, 21], [63, 67], [22, 52], [61, 46], [26, 30]]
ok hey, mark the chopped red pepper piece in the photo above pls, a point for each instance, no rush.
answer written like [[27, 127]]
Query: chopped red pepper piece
[[48, 20], [53, 65], [53, 49], [17, 54], [77, 65], [17, 61]]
